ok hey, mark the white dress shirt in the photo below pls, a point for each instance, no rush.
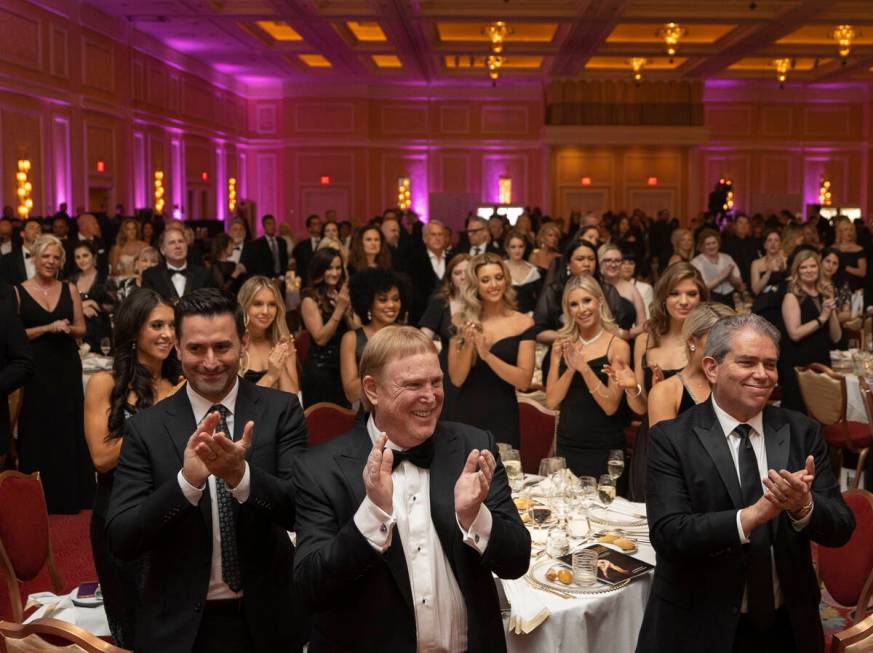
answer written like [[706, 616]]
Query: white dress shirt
[[6, 247], [438, 263], [236, 252], [440, 612], [756, 437], [177, 278], [29, 265], [475, 250], [200, 405]]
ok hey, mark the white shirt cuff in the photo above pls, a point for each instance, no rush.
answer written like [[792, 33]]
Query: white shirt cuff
[[480, 530], [241, 491], [803, 522], [743, 538], [193, 494], [375, 525]]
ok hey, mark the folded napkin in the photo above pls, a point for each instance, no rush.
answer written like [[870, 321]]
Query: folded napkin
[[62, 608], [527, 609]]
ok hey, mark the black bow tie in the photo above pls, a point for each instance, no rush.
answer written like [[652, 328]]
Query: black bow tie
[[26, 254], [181, 271], [238, 248], [420, 456]]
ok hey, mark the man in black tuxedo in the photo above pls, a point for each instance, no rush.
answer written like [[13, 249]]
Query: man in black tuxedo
[[88, 228], [16, 361], [203, 488], [427, 267], [303, 251], [402, 560], [17, 266], [733, 569], [175, 277], [269, 255]]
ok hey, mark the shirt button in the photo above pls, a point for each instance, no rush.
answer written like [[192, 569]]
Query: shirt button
[[476, 539], [383, 528], [424, 601], [419, 548], [413, 497]]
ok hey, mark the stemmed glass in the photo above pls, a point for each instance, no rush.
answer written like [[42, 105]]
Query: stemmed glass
[[587, 496], [549, 466], [615, 464], [514, 473], [606, 490], [105, 346]]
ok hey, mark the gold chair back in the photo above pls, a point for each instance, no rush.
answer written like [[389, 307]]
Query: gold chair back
[[823, 392]]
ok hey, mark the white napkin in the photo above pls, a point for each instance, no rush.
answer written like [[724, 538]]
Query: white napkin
[[62, 608], [527, 609]]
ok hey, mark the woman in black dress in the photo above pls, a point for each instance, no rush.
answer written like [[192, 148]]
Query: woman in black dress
[[627, 305], [526, 277], [144, 371], [270, 359], [689, 386], [590, 423], [326, 314], [853, 260], [492, 354], [768, 275], [812, 325], [580, 258], [96, 302], [376, 300], [227, 275], [50, 435]]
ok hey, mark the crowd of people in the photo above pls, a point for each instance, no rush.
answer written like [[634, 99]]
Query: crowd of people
[[419, 329]]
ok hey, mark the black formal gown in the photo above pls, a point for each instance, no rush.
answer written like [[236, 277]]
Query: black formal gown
[[121, 582], [487, 401], [850, 259], [527, 292], [321, 379], [814, 348], [98, 326], [51, 432], [438, 318], [586, 434]]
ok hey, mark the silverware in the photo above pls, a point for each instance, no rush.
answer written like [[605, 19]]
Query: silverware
[[635, 515], [546, 588]]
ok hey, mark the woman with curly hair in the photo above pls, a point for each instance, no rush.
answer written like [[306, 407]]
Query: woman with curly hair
[[145, 370], [492, 354]]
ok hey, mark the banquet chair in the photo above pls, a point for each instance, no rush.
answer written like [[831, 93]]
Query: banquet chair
[[826, 398], [325, 420], [51, 635], [847, 571], [537, 427], [302, 343], [25, 544], [855, 639]]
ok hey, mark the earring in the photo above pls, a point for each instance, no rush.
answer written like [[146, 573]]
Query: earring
[[568, 270], [369, 316], [692, 348], [133, 346]]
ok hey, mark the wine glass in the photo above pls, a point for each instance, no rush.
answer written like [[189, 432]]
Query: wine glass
[[514, 473], [549, 466], [615, 464], [587, 495], [606, 490], [105, 346]]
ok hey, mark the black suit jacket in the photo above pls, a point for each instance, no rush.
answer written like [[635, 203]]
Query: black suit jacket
[[361, 599], [148, 514], [158, 279], [424, 282], [693, 496], [261, 259], [12, 268], [16, 361], [302, 254]]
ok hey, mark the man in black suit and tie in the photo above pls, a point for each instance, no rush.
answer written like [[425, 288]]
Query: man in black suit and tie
[[203, 488], [17, 267], [269, 255], [478, 235], [88, 229], [402, 520], [428, 267], [737, 490], [175, 277], [303, 251], [16, 361]]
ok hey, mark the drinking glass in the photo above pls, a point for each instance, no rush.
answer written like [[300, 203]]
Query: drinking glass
[[514, 473], [549, 466], [585, 567], [615, 464], [105, 346], [606, 490], [538, 515], [587, 496]]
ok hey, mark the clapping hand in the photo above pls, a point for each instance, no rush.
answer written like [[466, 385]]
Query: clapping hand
[[574, 354], [90, 308], [222, 456], [483, 344], [377, 475], [276, 359], [657, 374], [60, 326], [472, 485], [790, 491], [343, 299], [193, 468], [621, 374]]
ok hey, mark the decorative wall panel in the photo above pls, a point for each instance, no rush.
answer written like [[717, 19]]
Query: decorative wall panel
[[505, 120], [455, 118], [59, 53], [20, 40], [328, 117], [98, 65], [404, 119]]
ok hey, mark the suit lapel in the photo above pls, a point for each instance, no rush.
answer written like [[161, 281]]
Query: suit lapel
[[168, 279], [180, 426], [713, 440], [777, 438], [245, 410]]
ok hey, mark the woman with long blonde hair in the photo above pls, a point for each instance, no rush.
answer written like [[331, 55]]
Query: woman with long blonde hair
[[590, 424], [683, 246], [128, 243], [270, 358], [492, 354], [853, 261]]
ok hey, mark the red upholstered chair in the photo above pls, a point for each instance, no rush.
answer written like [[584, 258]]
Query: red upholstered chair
[[302, 343], [855, 639], [847, 571], [25, 546], [325, 420], [826, 398], [537, 426], [48, 635]]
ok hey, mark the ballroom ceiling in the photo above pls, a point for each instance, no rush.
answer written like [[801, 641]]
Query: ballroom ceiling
[[444, 41]]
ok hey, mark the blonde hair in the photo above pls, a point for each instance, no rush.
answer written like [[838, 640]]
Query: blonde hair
[[547, 227], [794, 286], [702, 317], [839, 229], [676, 238], [389, 344], [147, 251], [589, 284], [471, 304], [43, 242], [246, 297], [790, 235]]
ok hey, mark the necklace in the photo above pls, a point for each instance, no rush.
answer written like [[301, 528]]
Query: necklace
[[588, 342]]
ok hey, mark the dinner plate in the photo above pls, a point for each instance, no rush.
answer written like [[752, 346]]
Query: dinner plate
[[601, 515], [537, 577]]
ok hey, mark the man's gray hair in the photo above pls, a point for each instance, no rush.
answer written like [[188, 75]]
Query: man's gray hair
[[718, 344]]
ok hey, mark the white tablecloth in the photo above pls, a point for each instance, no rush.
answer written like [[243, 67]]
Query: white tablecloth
[[61, 607], [607, 623], [855, 411]]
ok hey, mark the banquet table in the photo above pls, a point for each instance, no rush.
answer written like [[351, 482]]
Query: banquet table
[[609, 622]]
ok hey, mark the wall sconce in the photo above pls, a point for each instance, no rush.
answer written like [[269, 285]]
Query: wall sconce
[[637, 64], [729, 197], [782, 67], [671, 33], [404, 195], [25, 203], [231, 195], [504, 190], [824, 192], [844, 35], [159, 192]]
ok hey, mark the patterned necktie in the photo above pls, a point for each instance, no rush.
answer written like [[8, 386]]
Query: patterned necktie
[[759, 575], [226, 520]]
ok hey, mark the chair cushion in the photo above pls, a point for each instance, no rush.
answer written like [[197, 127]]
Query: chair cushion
[[24, 525], [536, 434], [845, 569], [859, 434], [327, 422]]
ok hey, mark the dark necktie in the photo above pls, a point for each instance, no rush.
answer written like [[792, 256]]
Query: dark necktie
[[275, 252], [420, 456], [226, 519], [759, 574], [476, 250]]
